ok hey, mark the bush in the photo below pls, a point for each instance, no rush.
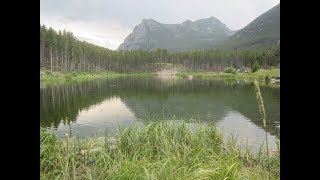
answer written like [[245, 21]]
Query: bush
[[243, 69], [230, 70], [267, 79], [48, 72], [199, 75], [182, 75], [74, 74], [67, 77], [255, 67]]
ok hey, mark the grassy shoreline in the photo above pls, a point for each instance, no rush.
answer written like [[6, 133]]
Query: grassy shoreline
[[259, 75], [60, 78], [158, 150]]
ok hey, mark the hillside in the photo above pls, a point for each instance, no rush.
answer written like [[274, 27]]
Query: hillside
[[262, 32]]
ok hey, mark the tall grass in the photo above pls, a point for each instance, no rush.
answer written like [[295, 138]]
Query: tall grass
[[158, 150], [263, 115]]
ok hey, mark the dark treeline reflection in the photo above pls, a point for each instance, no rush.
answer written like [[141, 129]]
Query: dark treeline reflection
[[150, 98]]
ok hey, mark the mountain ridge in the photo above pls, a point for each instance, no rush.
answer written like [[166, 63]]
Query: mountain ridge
[[151, 35], [206, 33]]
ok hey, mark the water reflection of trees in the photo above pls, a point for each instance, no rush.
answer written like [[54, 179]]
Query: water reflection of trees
[[208, 101], [148, 97]]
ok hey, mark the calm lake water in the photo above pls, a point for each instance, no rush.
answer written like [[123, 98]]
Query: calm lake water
[[88, 108]]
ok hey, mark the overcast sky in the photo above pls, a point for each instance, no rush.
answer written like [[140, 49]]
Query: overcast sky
[[108, 22]]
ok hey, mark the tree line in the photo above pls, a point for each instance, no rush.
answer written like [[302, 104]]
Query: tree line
[[62, 51]]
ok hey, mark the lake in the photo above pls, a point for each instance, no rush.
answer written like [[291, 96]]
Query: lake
[[88, 108]]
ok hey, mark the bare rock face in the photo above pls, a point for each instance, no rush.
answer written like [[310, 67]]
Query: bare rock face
[[140, 37], [151, 35]]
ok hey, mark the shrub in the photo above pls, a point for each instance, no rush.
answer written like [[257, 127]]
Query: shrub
[[243, 69], [48, 72], [255, 66], [267, 79], [67, 77], [230, 70], [74, 74], [182, 75], [199, 75]]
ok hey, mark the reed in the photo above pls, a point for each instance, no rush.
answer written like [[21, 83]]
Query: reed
[[263, 115]]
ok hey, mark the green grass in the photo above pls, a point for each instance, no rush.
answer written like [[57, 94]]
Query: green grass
[[158, 150], [259, 75], [48, 77]]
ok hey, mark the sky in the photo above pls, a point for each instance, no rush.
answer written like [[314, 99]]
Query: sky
[[108, 22]]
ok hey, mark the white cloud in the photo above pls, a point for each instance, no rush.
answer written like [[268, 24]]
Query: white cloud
[[107, 34]]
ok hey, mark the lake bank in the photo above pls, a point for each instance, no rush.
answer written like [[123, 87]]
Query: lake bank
[[260, 75], [60, 77], [159, 150]]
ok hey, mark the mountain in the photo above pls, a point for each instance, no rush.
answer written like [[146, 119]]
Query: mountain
[[262, 32], [151, 35]]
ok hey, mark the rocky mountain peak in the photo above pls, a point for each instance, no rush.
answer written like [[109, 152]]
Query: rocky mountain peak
[[151, 35]]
